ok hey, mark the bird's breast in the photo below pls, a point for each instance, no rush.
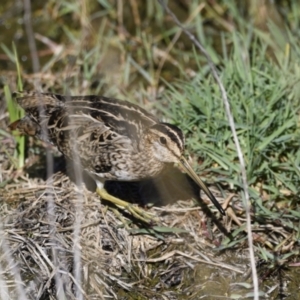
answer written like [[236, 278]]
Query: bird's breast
[[131, 167]]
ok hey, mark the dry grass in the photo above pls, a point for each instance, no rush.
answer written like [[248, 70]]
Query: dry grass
[[62, 242], [112, 260]]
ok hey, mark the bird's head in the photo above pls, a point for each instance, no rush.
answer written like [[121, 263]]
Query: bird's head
[[166, 142]]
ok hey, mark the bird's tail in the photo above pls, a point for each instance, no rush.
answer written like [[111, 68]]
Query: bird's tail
[[39, 107]]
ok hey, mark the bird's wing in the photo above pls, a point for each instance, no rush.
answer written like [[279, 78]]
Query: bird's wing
[[60, 118], [122, 117]]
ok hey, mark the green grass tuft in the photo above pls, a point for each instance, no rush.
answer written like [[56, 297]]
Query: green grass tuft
[[265, 111], [16, 113]]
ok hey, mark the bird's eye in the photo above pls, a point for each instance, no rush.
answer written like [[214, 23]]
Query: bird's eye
[[163, 140]]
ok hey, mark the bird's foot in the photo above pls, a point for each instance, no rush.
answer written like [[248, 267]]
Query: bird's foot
[[136, 211]]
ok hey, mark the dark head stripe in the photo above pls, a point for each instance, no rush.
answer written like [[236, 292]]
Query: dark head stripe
[[173, 132]]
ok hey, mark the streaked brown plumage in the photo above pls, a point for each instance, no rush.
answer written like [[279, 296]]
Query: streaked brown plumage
[[112, 139]]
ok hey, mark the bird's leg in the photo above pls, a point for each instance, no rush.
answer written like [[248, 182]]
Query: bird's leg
[[137, 212]]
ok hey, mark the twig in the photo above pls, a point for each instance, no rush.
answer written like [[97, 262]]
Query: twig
[[177, 252], [236, 141]]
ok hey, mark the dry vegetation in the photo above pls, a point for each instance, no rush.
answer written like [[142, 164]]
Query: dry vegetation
[[59, 241]]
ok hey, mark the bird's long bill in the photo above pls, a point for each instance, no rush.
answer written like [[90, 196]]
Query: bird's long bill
[[186, 166]]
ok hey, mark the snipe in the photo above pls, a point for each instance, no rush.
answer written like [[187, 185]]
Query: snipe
[[112, 139]]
